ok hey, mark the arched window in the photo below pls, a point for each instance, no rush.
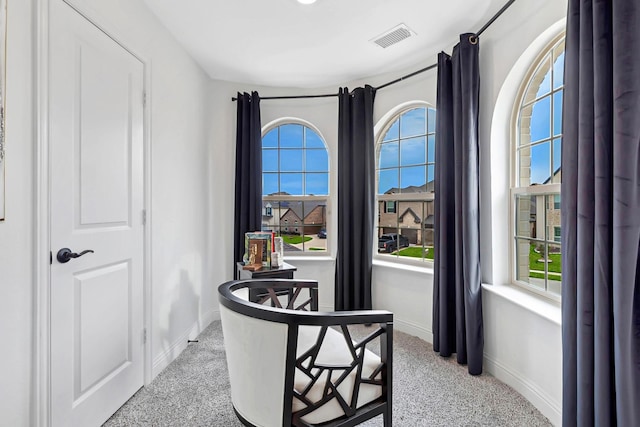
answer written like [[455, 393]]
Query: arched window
[[405, 168], [536, 182], [295, 185]]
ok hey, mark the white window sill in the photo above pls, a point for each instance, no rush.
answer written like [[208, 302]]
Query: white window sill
[[402, 266], [537, 304], [304, 258]]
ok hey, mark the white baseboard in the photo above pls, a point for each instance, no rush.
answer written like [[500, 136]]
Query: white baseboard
[[538, 397], [169, 354], [414, 329]]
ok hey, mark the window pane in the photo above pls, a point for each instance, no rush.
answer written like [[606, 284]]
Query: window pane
[[270, 216], [557, 160], [388, 180], [413, 176], [270, 160], [557, 113], [413, 151], [291, 160], [430, 178], [541, 120], [315, 220], [529, 265], [526, 214], [387, 215], [413, 221], [389, 155], [269, 183], [552, 215], [413, 122], [313, 140], [394, 132], [524, 166], [291, 226], [431, 120], [558, 65], [317, 184], [317, 161], [406, 159], [291, 183], [539, 159], [541, 163], [270, 139], [554, 268], [542, 79], [524, 125], [431, 149], [291, 136]]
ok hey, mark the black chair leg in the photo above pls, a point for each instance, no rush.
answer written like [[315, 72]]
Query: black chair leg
[[386, 417]]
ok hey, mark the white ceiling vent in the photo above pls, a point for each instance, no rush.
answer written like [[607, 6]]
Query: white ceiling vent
[[393, 36]]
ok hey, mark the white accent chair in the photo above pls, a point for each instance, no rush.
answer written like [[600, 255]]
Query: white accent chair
[[290, 365]]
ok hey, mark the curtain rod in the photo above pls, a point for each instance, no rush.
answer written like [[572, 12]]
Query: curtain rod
[[398, 80]]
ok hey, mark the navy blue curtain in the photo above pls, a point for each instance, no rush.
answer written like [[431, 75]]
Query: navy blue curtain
[[248, 191], [457, 292], [356, 199], [601, 215]]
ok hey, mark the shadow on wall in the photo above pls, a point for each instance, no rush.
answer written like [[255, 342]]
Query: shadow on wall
[[183, 317]]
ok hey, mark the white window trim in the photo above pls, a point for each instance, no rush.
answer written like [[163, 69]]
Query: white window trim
[[327, 253], [542, 189], [381, 127]]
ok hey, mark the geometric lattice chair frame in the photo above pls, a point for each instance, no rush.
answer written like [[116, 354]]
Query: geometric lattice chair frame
[[290, 365]]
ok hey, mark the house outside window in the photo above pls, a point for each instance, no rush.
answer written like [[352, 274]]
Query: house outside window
[[536, 183], [295, 184], [405, 168]]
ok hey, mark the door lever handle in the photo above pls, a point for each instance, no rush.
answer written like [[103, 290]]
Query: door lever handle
[[64, 255]]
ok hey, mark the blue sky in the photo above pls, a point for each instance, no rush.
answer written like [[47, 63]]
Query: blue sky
[[407, 153], [300, 156], [546, 124]]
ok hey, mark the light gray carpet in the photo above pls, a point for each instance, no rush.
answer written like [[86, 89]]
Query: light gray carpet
[[428, 390]]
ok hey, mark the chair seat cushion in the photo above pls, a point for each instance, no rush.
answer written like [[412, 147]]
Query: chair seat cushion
[[334, 353]]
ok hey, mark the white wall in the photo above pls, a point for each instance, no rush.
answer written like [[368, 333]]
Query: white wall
[[16, 232], [183, 247]]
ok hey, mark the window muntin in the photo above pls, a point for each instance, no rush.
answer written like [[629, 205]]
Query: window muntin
[[405, 169], [295, 186], [536, 188]]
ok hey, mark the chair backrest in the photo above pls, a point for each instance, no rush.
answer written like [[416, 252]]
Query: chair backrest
[[275, 341]]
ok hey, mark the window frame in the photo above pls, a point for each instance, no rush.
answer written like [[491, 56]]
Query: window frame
[[550, 189], [303, 198], [382, 128]]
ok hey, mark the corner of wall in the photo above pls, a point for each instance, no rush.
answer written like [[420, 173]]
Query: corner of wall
[[174, 349]]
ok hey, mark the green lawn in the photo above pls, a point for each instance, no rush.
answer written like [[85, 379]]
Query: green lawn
[[415, 252], [294, 240], [555, 266]]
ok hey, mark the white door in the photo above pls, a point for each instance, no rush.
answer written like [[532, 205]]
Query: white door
[[96, 201]]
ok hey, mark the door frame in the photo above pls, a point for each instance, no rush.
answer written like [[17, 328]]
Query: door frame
[[41, 379]]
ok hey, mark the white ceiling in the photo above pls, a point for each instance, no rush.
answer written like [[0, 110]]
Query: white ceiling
[[283, 43]]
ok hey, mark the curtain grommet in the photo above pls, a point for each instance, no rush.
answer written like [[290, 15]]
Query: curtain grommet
[[473, 39]]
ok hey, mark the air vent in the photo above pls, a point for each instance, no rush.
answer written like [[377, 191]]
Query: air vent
[[393, 36]]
